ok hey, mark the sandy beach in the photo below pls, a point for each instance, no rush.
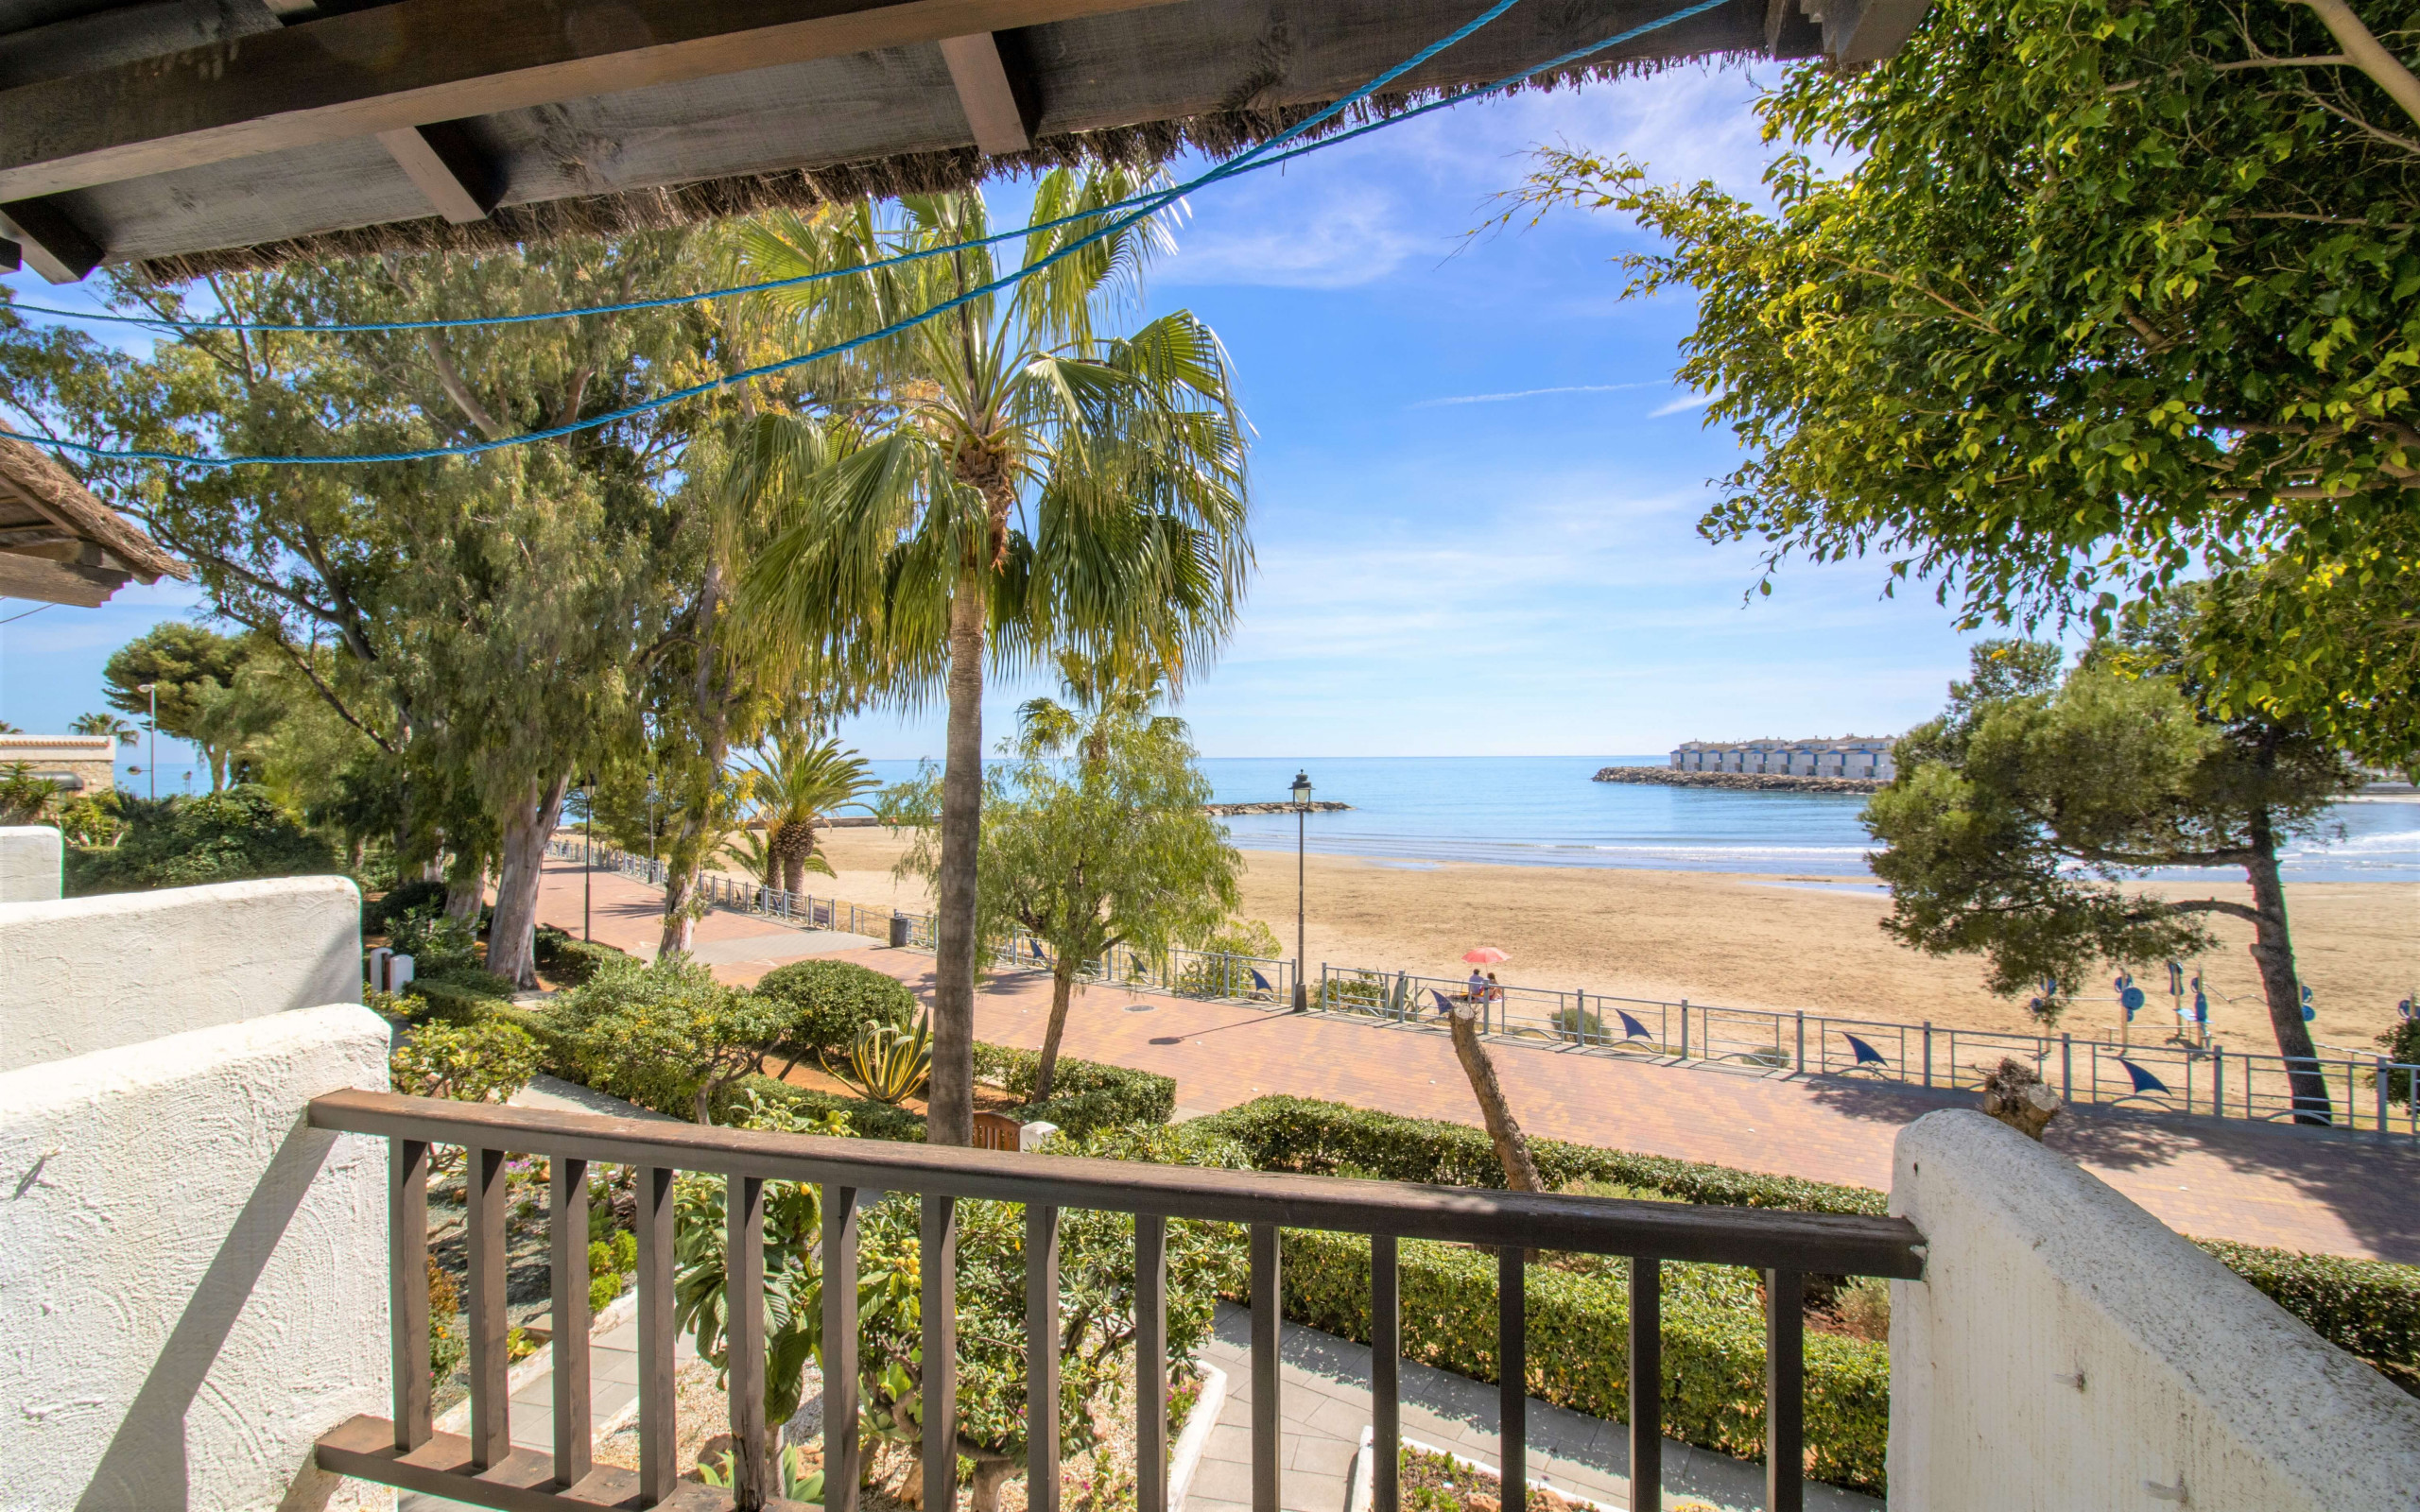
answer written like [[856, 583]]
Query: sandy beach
[[1756, 941]]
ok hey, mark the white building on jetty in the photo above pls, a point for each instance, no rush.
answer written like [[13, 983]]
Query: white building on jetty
[[1849, 756]]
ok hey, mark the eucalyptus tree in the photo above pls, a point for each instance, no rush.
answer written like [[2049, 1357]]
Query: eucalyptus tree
[[1030, 480], [492, 615]]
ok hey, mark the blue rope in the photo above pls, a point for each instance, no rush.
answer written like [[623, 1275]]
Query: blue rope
[[1147, 206], [1239, 165]]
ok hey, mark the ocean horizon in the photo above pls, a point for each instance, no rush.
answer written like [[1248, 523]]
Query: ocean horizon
[[1544, 810]]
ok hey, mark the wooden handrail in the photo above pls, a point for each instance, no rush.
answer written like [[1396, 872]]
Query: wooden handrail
[[1765, 1238]]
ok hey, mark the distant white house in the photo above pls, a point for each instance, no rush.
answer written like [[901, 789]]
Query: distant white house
[[1849, 756]]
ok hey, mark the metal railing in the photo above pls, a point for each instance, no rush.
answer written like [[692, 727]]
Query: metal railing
[[484, 1469], [1188, 974], [2365, 1092]]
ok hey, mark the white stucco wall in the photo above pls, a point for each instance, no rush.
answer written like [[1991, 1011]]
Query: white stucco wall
[[30, 855], [192, 1283], [2066, 1349], [81, 974]]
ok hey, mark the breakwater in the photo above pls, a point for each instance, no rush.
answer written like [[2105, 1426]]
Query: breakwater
[[1737, 781], [1230, 810]]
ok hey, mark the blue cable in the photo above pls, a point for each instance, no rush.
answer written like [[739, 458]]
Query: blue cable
[[1150, 204], [1238, 165]]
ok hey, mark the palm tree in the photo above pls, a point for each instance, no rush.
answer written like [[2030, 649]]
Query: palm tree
[[1104, 694], [799, 781], [1027, 484], [105, 724]]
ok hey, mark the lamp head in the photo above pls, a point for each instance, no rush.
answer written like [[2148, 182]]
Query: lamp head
[[1302, 789]]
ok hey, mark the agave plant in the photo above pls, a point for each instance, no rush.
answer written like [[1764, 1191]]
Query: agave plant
[[888, 1064]]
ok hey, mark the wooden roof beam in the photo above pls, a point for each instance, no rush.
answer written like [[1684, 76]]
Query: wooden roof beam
[[1000, 112], [421, 62], [52, 243], [447, 166]]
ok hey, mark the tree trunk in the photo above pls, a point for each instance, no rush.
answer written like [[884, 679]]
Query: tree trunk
[[983, 1490], [1063, 985], [949, 1116], [788, 843], [466, 888], [527, 827], [2273, 951], [680, 928], [1503, 1130]]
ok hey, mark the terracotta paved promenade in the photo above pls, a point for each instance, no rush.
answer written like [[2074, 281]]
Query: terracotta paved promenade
[[2259, 1183]]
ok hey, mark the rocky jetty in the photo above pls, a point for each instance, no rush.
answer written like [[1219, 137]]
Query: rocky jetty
[[1737, 781], [1281, 806]]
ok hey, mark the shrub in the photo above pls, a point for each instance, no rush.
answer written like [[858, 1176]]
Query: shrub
[[421, 893], [1088, 1095], [470, 1063], [1303, 1134], [436, 943], [1579, 1321], [460, 994], [668, 1036], [184, 842], [2366, 1307], [824, 1004], [2401, 1044], [572, 962], [869, 1119]]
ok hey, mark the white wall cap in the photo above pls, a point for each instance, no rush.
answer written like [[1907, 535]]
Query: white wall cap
[[81, 975], [2056, 1309]]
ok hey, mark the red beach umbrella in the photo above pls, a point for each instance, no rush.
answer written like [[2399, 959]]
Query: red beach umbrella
[[1485, 955]]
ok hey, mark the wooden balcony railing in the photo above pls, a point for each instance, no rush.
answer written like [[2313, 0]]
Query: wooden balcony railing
[[485, 1471]]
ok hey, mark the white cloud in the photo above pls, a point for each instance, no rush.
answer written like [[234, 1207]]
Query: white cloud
[[1528, 393], [1683, 405], [1339, 237]]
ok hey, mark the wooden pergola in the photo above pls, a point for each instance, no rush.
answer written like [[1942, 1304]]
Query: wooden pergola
[[60, 545], [184, 136]]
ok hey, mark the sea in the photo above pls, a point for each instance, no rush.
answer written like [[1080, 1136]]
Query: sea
[[1418, 812]]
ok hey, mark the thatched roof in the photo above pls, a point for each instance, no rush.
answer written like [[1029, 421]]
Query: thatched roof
[[187, 136], [61, 545]]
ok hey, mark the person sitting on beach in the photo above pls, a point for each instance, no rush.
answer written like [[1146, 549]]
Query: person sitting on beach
[[1476, 991], [1494, 993]]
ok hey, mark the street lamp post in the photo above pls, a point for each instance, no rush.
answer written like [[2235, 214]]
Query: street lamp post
[[587, 847], [153, 689], [1302, 791]]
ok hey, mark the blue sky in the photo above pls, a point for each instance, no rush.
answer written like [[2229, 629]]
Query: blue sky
[[1475, 484]]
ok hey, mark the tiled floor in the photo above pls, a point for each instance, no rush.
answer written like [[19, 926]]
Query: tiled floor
[[1324, 1403], [2258, 1183]]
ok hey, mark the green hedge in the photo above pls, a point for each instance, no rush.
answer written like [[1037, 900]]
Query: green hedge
[[827, 1001], [458, 994], [1579, 1356], [868, 1119], [1302, 1134], [571, 961], [1086, 1095], [2368, 1307]]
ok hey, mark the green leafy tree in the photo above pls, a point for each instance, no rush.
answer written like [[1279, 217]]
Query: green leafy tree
[[190, 669], [1029, 482], [2018, 816], [1085, 854], [2110, 294], [799, 781]]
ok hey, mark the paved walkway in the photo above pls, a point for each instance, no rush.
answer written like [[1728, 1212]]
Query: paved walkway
[[1324, 1406], [2258, 1183]]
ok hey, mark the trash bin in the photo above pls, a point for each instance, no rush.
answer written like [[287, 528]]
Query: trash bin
[[899, 926]]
